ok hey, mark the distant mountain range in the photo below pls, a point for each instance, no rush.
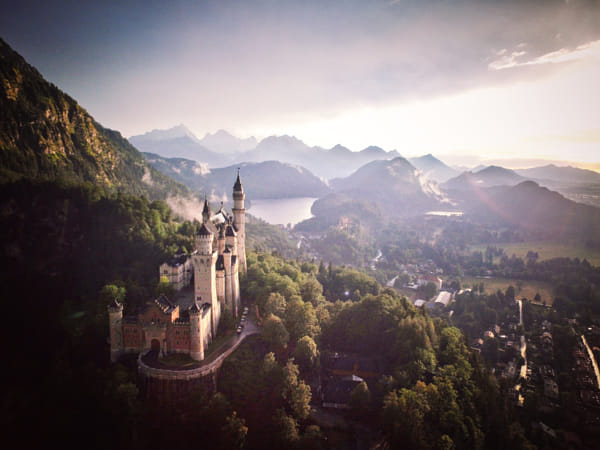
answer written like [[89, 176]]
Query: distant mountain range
[[266, 179], [179, 142], [223, 142], [565, 176], [222, 149], [46, 135]]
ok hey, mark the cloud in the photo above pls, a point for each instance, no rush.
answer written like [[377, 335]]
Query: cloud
[[266, 64], [201, 169], [562, 55]]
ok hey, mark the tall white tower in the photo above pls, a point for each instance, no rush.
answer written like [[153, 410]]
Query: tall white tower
[[205, 279], [239, 220]]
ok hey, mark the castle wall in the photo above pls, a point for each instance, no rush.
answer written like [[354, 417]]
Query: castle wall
[[178, 338], [132, 337], [173, 388], [207, 326]]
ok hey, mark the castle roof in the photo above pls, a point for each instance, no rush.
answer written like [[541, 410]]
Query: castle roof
[[204, 231], [164, 304], [206, 209], [220, 216], [177, 260], [237, 187], [194, 308], [229, 231]]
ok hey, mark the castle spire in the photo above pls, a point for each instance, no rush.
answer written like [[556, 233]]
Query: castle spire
[[237, 187], [206, 210]]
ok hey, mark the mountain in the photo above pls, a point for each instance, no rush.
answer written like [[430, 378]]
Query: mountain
[[488, 177], [433, 168], [46, 135], [333, 163], [553, 174], [178, 142], [279, 148], [267, 179], [539, 210], [175, 132], [395, 185], [223, 142]]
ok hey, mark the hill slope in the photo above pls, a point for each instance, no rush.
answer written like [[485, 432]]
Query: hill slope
[[484, 178], [395, 185], [433, 168], [561, 175], [45, 134], [537, 209], [268, 179]]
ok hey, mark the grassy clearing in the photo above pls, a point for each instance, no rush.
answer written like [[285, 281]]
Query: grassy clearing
[[526, 289], [546, 250]]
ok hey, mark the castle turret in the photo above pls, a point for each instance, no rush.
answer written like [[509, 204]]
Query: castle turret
[[227, 269], [196, 332], [231, 239], [221, 239], [204, 240], [206, 213], [239, 220], [205, 283], [115, 322], [221, 279]]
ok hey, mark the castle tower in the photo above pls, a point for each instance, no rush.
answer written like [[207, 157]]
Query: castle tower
[[231, 239], [227, 273], [221, 279], [205, 277], [206, 213], [115, 323], [239, 220], [196, 332], [221, 239]]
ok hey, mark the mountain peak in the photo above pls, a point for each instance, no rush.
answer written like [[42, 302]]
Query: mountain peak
[[373, 150], [221, 133], [178, 131], [340, 149]]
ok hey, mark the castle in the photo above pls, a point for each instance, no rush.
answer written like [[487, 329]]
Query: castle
[[165, 327]]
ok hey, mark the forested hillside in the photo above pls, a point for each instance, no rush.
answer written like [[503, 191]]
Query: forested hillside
[[45, 134]]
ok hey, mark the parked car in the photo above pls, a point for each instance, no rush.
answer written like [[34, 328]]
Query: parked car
[[239, 330]]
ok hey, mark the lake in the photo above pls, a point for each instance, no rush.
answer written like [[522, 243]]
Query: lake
[[282, 211]]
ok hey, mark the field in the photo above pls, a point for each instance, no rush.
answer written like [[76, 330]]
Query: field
[[524, 289], [546, 250]]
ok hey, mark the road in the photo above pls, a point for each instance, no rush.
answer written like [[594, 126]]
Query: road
[[215, 359]]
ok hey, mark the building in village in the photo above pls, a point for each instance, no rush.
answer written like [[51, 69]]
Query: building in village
[[166, 327]]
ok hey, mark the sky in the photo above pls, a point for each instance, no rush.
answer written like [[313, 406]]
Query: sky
[[464, 80]]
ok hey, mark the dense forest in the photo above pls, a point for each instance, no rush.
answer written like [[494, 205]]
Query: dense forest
[[65, 242]]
